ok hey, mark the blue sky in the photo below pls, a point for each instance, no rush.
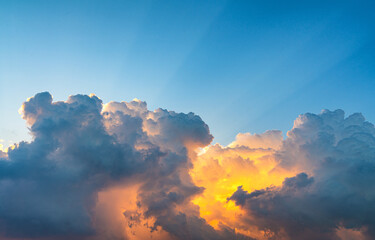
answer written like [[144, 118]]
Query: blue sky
[[243, 66]]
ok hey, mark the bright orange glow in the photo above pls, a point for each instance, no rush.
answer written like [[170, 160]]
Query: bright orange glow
[[220, 170]]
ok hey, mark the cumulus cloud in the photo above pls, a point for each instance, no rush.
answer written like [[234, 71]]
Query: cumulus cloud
[[59, 184], [332, 194], [119, 171], [269, 139], [48, 186]]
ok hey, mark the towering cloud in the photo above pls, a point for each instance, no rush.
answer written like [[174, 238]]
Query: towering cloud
[[333, 194], [84, 156], [119, 171]]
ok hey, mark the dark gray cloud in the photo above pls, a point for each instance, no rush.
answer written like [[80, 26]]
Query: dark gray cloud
[[335, 190], [49, 186]]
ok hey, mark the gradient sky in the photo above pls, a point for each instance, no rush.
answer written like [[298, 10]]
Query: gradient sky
[[243, 66]]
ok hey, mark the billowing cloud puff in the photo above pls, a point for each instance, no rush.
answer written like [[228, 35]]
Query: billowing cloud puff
[[119, 171], [58, 184], [269, 139], [333, 192]]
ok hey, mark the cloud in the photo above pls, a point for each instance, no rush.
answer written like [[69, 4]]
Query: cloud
[[48, 186], [333, 192], [167, 189], [119, 171], [269, 139], [60, 184], [2, 150], [250, 162]]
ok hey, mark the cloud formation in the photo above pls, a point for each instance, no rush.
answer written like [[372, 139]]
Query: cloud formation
[[119, 171], [333, 191], [250, 161], [58, 185]]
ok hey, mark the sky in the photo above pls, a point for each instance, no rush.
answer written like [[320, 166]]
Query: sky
[[187, 120], [243, 66]]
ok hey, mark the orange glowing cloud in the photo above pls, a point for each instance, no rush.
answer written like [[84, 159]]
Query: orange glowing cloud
[[249, 162]]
